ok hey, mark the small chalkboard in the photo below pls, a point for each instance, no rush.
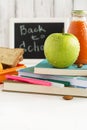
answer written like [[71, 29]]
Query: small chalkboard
[[30, 34]]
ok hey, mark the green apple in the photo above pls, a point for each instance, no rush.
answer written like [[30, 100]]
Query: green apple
[[61, 49]]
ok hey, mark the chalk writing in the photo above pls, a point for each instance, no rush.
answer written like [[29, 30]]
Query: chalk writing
[[25, 31], [30, 48]]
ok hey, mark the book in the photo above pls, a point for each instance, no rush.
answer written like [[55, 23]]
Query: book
[[45, 68], [29, 72], [66, 80], [33, 81], [15, 86]]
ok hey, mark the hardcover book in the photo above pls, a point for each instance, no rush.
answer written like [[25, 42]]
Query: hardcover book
[[77, 81], [45, 68], [29, 72], [14, 86]]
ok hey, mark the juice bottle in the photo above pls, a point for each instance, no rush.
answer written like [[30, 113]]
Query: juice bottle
[[78, 27]]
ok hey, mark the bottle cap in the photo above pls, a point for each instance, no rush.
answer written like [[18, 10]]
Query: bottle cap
[[79, 12]]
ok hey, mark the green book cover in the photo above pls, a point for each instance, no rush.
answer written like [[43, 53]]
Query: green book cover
[[45, 68]]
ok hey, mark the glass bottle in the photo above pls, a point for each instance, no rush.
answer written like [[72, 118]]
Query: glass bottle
[[78, 27]]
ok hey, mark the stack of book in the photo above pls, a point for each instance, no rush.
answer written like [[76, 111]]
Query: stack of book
[[66, 81]]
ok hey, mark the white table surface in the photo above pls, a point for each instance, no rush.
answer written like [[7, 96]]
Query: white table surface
[[21, 111]]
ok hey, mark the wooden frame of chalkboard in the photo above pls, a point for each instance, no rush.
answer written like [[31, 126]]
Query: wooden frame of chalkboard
[[30, 34]]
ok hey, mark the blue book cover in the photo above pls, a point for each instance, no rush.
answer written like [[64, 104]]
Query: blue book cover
[[29, 72], [74, 81], [45, 68]]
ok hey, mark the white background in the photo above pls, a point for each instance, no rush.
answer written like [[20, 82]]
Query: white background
[[32, 9], [20, 111]]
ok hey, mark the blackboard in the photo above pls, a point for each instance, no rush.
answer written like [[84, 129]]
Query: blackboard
[[31, 34]]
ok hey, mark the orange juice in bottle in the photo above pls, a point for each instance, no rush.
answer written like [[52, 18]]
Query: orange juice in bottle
[[78, 27]]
